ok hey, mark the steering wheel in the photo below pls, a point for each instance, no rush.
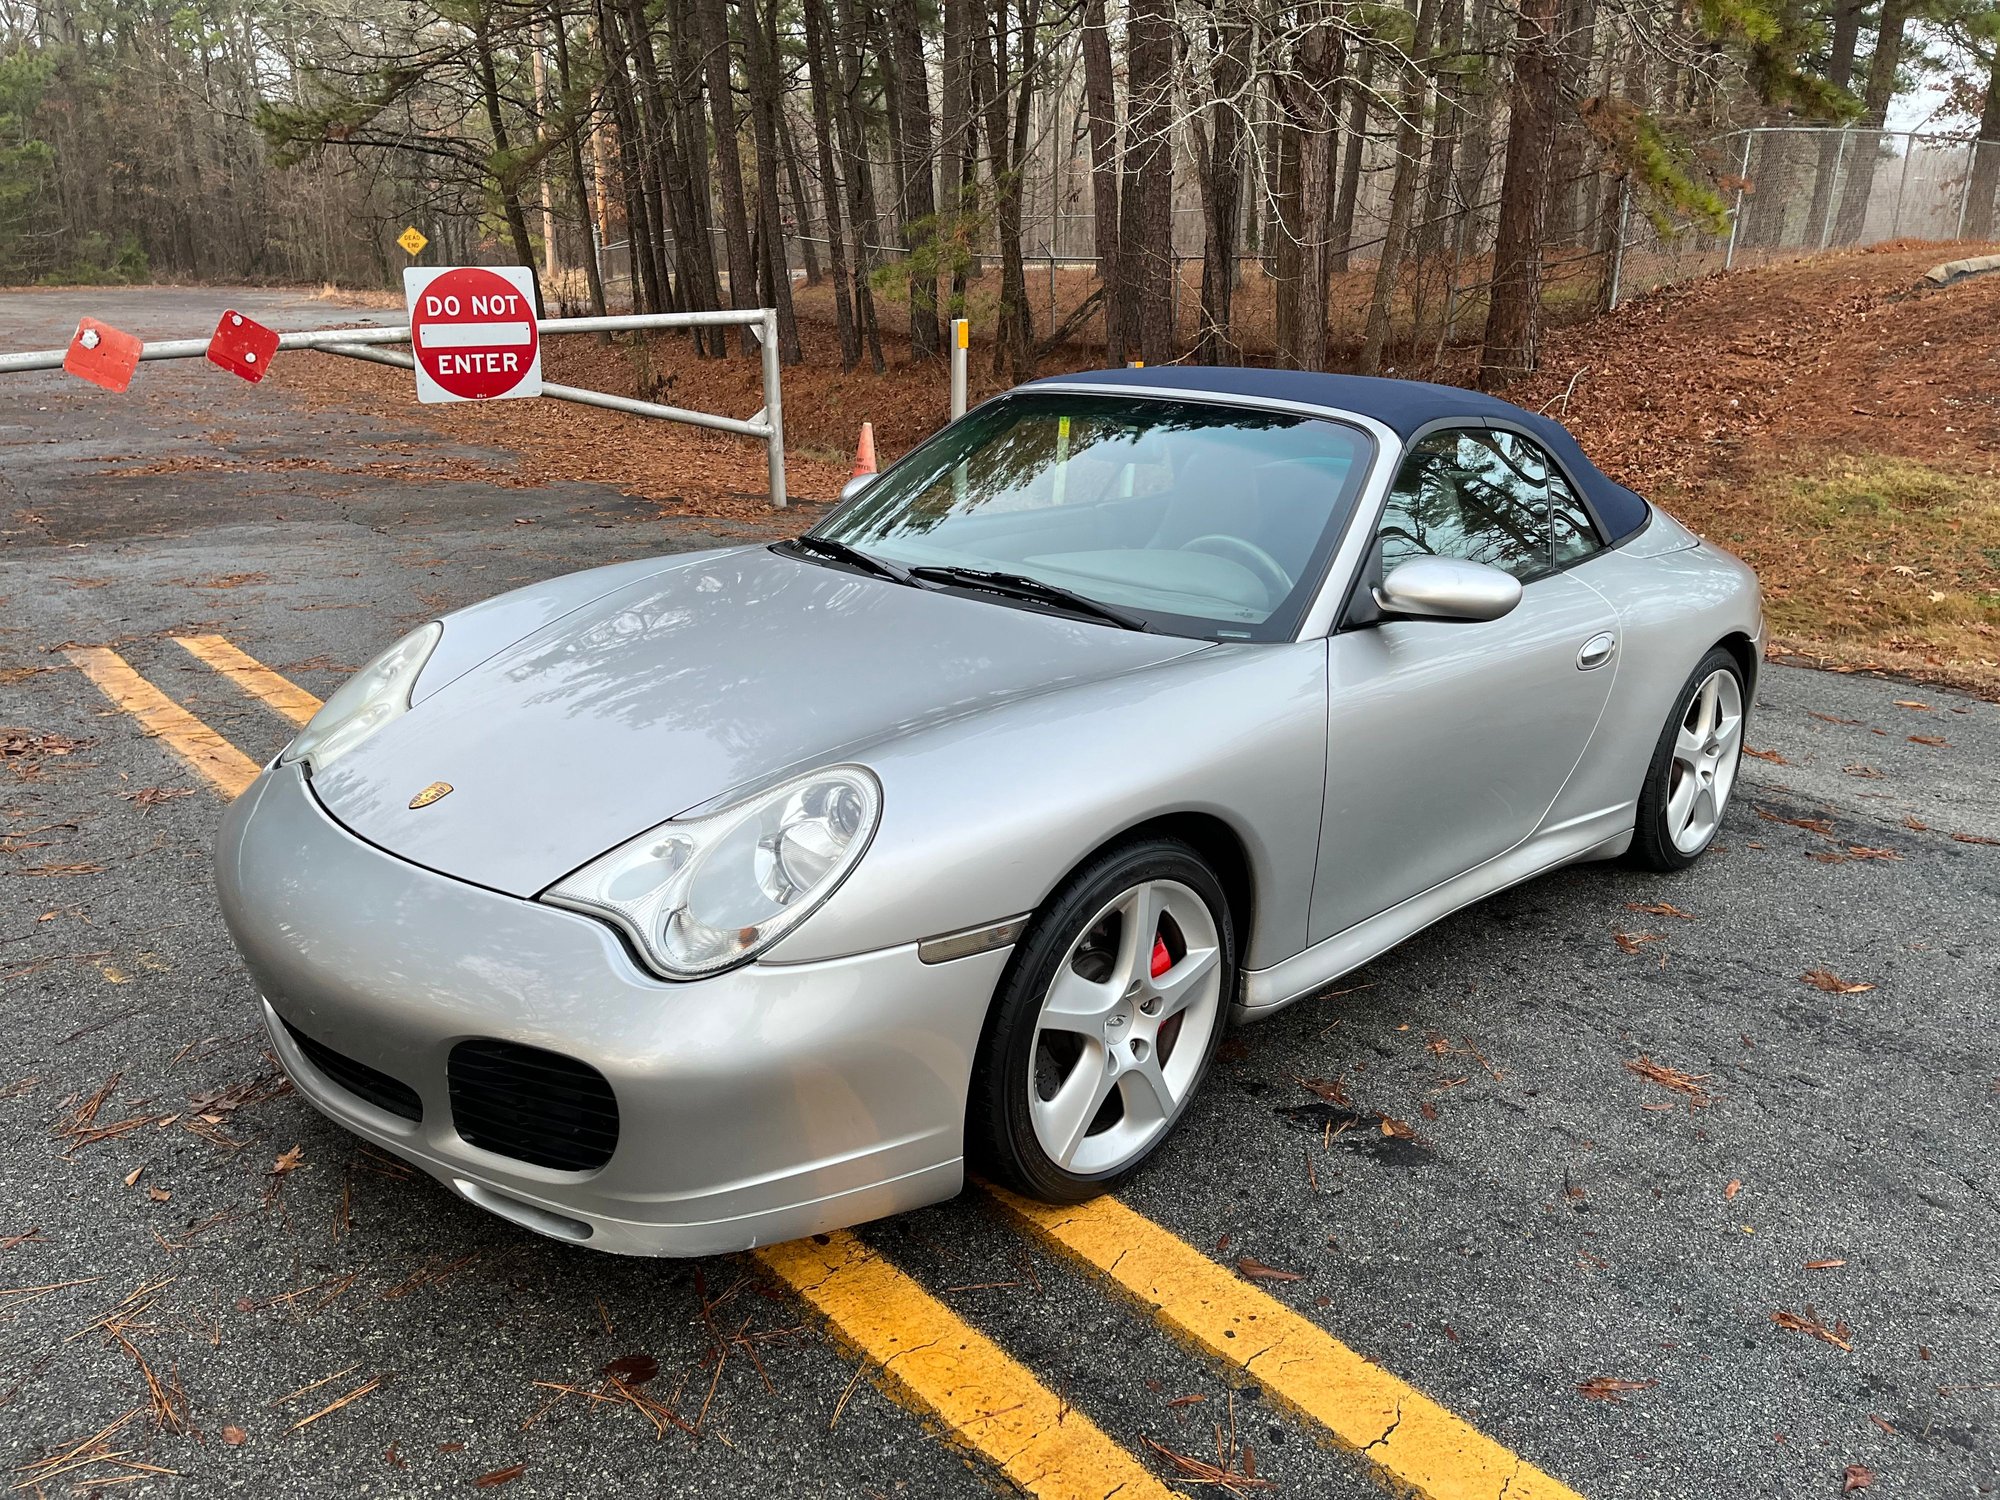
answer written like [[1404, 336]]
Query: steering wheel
[[1277, 582]]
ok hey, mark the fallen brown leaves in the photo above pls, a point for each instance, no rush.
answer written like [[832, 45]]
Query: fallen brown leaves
[[1821, 826], [1832, 983], [1973, 838], [1689, 1084], [1632, 942], [497, 1477], [1610, 1388], [1256, 1270], [1659, 909], [1767, 755], [1856, 1477], [1839, 1335], [1824, 1265]]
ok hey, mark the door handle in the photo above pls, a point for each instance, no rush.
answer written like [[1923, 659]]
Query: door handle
[[1596, 651]]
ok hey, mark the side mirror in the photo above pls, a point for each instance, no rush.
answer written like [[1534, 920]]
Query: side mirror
[[856, 485], [1447, 588]]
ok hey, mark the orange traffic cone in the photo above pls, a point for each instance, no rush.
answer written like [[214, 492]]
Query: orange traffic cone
[[864, 451]]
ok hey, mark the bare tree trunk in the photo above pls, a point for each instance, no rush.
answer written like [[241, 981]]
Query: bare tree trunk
[[701, 285], [1145, 229], [912, 103], [795, 178], [1402, 192], [1222, 185], [860, 186], [1514, 313], [1102, 105], [760, 67], [1864, 150], [505, 181], [1359, 99], [593, 273], [1845, 40], [714, 23], [957, 143], [1985, 159], [836, 232]]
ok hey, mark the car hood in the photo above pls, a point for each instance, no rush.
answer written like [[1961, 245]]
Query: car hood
[[671, 692]]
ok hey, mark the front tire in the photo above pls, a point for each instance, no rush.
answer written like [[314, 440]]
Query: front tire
[[1693, 769], [1104, 1023]]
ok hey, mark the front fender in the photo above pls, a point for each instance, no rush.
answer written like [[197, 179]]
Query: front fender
[[983, 816]]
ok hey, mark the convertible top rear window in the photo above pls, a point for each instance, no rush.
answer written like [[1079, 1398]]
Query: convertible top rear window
[[1199, 519]]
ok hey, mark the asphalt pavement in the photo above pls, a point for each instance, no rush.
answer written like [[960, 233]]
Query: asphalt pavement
[[1758, 1261]]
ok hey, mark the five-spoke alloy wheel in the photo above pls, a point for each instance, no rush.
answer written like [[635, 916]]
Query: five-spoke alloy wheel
[[1105, 1022], [1694, 768]]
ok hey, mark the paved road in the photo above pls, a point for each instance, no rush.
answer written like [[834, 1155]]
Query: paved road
[[1557, 1218]]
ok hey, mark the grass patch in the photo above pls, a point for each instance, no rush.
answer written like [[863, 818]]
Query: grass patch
[[1870, 554]]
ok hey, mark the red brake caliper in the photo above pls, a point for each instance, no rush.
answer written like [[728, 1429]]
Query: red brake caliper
[[1162, 960]]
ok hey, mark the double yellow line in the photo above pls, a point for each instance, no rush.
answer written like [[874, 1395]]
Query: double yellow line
[[932, 1359]]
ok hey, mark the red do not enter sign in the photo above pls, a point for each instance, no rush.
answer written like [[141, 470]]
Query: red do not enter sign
[[472, 331]]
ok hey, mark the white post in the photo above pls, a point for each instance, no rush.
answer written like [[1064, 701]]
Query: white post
[[961, 337], [774, 417], [1736, 213]]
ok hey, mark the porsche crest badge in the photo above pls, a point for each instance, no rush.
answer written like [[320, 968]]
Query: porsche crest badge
[[437, 791]]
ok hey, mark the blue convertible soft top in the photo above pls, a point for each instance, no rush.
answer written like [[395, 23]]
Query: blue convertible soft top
[[1403, 405]]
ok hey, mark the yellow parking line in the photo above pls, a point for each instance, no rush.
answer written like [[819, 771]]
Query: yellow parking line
[[162, 718], [985, 1400], [250, 674], [1416, 1442]]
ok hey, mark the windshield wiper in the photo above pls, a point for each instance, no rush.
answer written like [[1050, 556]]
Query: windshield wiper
[[838, 551], [1020, 586]]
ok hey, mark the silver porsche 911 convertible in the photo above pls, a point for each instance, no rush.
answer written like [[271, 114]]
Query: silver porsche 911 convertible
[[709, 900]]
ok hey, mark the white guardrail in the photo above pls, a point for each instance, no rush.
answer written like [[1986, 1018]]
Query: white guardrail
[[366, 344]]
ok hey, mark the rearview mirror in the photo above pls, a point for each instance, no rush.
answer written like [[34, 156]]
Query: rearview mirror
[[1447, 588], [856, 485]]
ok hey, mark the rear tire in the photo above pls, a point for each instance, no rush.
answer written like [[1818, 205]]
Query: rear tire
[[1694, 767], [1104, 1023]]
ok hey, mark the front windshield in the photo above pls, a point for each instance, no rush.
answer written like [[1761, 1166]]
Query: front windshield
[[1201, 520]]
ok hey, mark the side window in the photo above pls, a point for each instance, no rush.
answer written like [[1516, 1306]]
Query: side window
[[1570, 528], [1473, 494]]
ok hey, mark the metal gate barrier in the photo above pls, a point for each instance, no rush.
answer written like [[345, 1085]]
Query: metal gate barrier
[[365, 344]]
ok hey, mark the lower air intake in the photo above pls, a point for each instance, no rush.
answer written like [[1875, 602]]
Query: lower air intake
[[535, 1106]]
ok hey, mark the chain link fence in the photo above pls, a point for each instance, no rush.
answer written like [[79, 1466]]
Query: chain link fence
[[1787, 191]]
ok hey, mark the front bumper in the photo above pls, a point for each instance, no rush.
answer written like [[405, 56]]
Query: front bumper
[[773, 1101]]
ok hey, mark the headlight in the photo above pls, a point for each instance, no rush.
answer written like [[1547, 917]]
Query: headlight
[[704, 895], [365, 702]]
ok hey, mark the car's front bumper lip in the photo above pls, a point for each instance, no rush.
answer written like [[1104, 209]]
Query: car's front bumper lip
[[769, 1102]]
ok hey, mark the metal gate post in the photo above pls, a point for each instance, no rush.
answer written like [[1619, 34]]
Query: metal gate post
[[1902, 182], [1736, 213], [1833, 191], [774, 416], [1971, 171], [1618, 249]]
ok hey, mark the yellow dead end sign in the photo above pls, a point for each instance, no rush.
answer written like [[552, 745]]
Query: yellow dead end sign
[[412, 240]]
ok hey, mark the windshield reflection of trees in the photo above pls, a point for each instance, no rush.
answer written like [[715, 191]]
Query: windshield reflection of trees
[[1009, 448]]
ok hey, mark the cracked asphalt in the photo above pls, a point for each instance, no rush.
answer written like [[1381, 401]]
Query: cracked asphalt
[[1581, 1262]]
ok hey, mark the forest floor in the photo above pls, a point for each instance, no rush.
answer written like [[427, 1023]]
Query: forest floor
[[1838, 431]]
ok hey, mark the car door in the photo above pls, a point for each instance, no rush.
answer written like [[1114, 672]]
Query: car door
[[1448, 741]]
